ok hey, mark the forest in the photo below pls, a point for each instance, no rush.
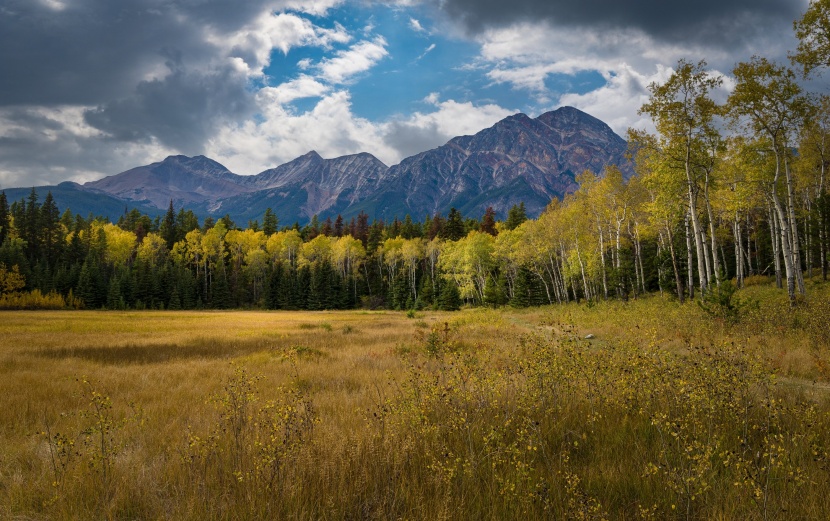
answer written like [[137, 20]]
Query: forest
[[724, 191]]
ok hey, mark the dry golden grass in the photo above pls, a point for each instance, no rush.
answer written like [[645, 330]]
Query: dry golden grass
[[477, 414]]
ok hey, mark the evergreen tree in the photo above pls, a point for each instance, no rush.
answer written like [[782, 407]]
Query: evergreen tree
[[269, 222], [186, 222], [515, 216], [328, 228], [449, 298], [454, 227], [338, 226], [488, 222], [50, 230], [312, 230], [410, 229], [375, 236], [436, 227], [31, 230], [167, 229], [5, 220], [91, 288], [221, 297], [361, 231], [522, 289]]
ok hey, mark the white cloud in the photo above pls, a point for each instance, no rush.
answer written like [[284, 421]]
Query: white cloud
[[416, 26], [298, 88], [525, 55], [332, 129], [347, 63], [426, 51], [616, 103], [282, 31]]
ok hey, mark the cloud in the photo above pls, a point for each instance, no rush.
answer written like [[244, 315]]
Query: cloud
[[347, 63], [284, 31], [526, 55], [416, 26], [426, 51], [720, 23], [44, 145], [302, 87], [332, 129], [181, 110], [426, 130]]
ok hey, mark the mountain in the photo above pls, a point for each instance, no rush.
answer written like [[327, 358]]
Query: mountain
[[187, 181], [519, 159], [82, 201], [306, 186]]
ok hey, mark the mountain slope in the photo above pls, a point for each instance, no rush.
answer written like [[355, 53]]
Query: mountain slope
[[187, 181], [518, 159], [306, 186], [82, 201]]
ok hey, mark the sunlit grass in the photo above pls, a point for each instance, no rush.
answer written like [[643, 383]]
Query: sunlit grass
[[480, 414]]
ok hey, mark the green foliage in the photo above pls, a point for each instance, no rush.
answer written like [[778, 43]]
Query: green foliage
[[515, 216], [721, 302]]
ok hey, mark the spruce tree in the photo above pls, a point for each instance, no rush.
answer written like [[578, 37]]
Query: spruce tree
[[488, 222], [454, 227], [515, 216], [167, 229], [269, 222], [450, 298], [50, 230], [5, 221]]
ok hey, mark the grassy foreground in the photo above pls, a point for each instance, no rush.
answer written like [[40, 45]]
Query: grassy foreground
[[669, 412]]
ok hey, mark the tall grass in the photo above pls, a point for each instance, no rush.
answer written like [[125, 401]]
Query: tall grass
[[667, 413]]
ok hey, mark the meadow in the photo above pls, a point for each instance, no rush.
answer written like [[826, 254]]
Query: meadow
[[669, 411]]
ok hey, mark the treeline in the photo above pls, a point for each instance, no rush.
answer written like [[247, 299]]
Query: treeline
[[176, 262], [723, 192]]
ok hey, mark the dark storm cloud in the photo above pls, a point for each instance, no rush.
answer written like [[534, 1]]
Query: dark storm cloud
[[409, 139], [89, 51], [722, 23], [145, 66], [181, 111]]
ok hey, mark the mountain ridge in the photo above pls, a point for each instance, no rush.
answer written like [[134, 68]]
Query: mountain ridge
[[518, 159]]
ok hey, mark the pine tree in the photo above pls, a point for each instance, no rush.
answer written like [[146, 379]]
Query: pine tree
[[269, 222], [454, 227], [167, 229], [515, 216], [449, 298], [488, 222], [436, 226], [50, 230], [31, 230], [5, 220]]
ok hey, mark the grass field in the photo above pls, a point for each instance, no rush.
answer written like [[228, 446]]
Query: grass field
[[668, 412]]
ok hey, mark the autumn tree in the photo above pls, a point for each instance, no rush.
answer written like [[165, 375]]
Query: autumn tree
[[769, 103], [813, 33], [683, 112]]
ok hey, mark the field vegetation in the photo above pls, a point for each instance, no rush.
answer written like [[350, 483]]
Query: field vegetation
[[670, 411]]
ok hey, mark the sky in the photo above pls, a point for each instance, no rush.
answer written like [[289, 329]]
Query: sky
[[90, 88]]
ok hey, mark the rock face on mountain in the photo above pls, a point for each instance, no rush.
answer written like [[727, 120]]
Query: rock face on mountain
[[187, 181], [306, 186], [519, 159]]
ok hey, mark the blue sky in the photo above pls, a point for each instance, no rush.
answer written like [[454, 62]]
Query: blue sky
[[93, 87]]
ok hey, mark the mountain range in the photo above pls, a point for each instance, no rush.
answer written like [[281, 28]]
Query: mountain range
[[519, 159]]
